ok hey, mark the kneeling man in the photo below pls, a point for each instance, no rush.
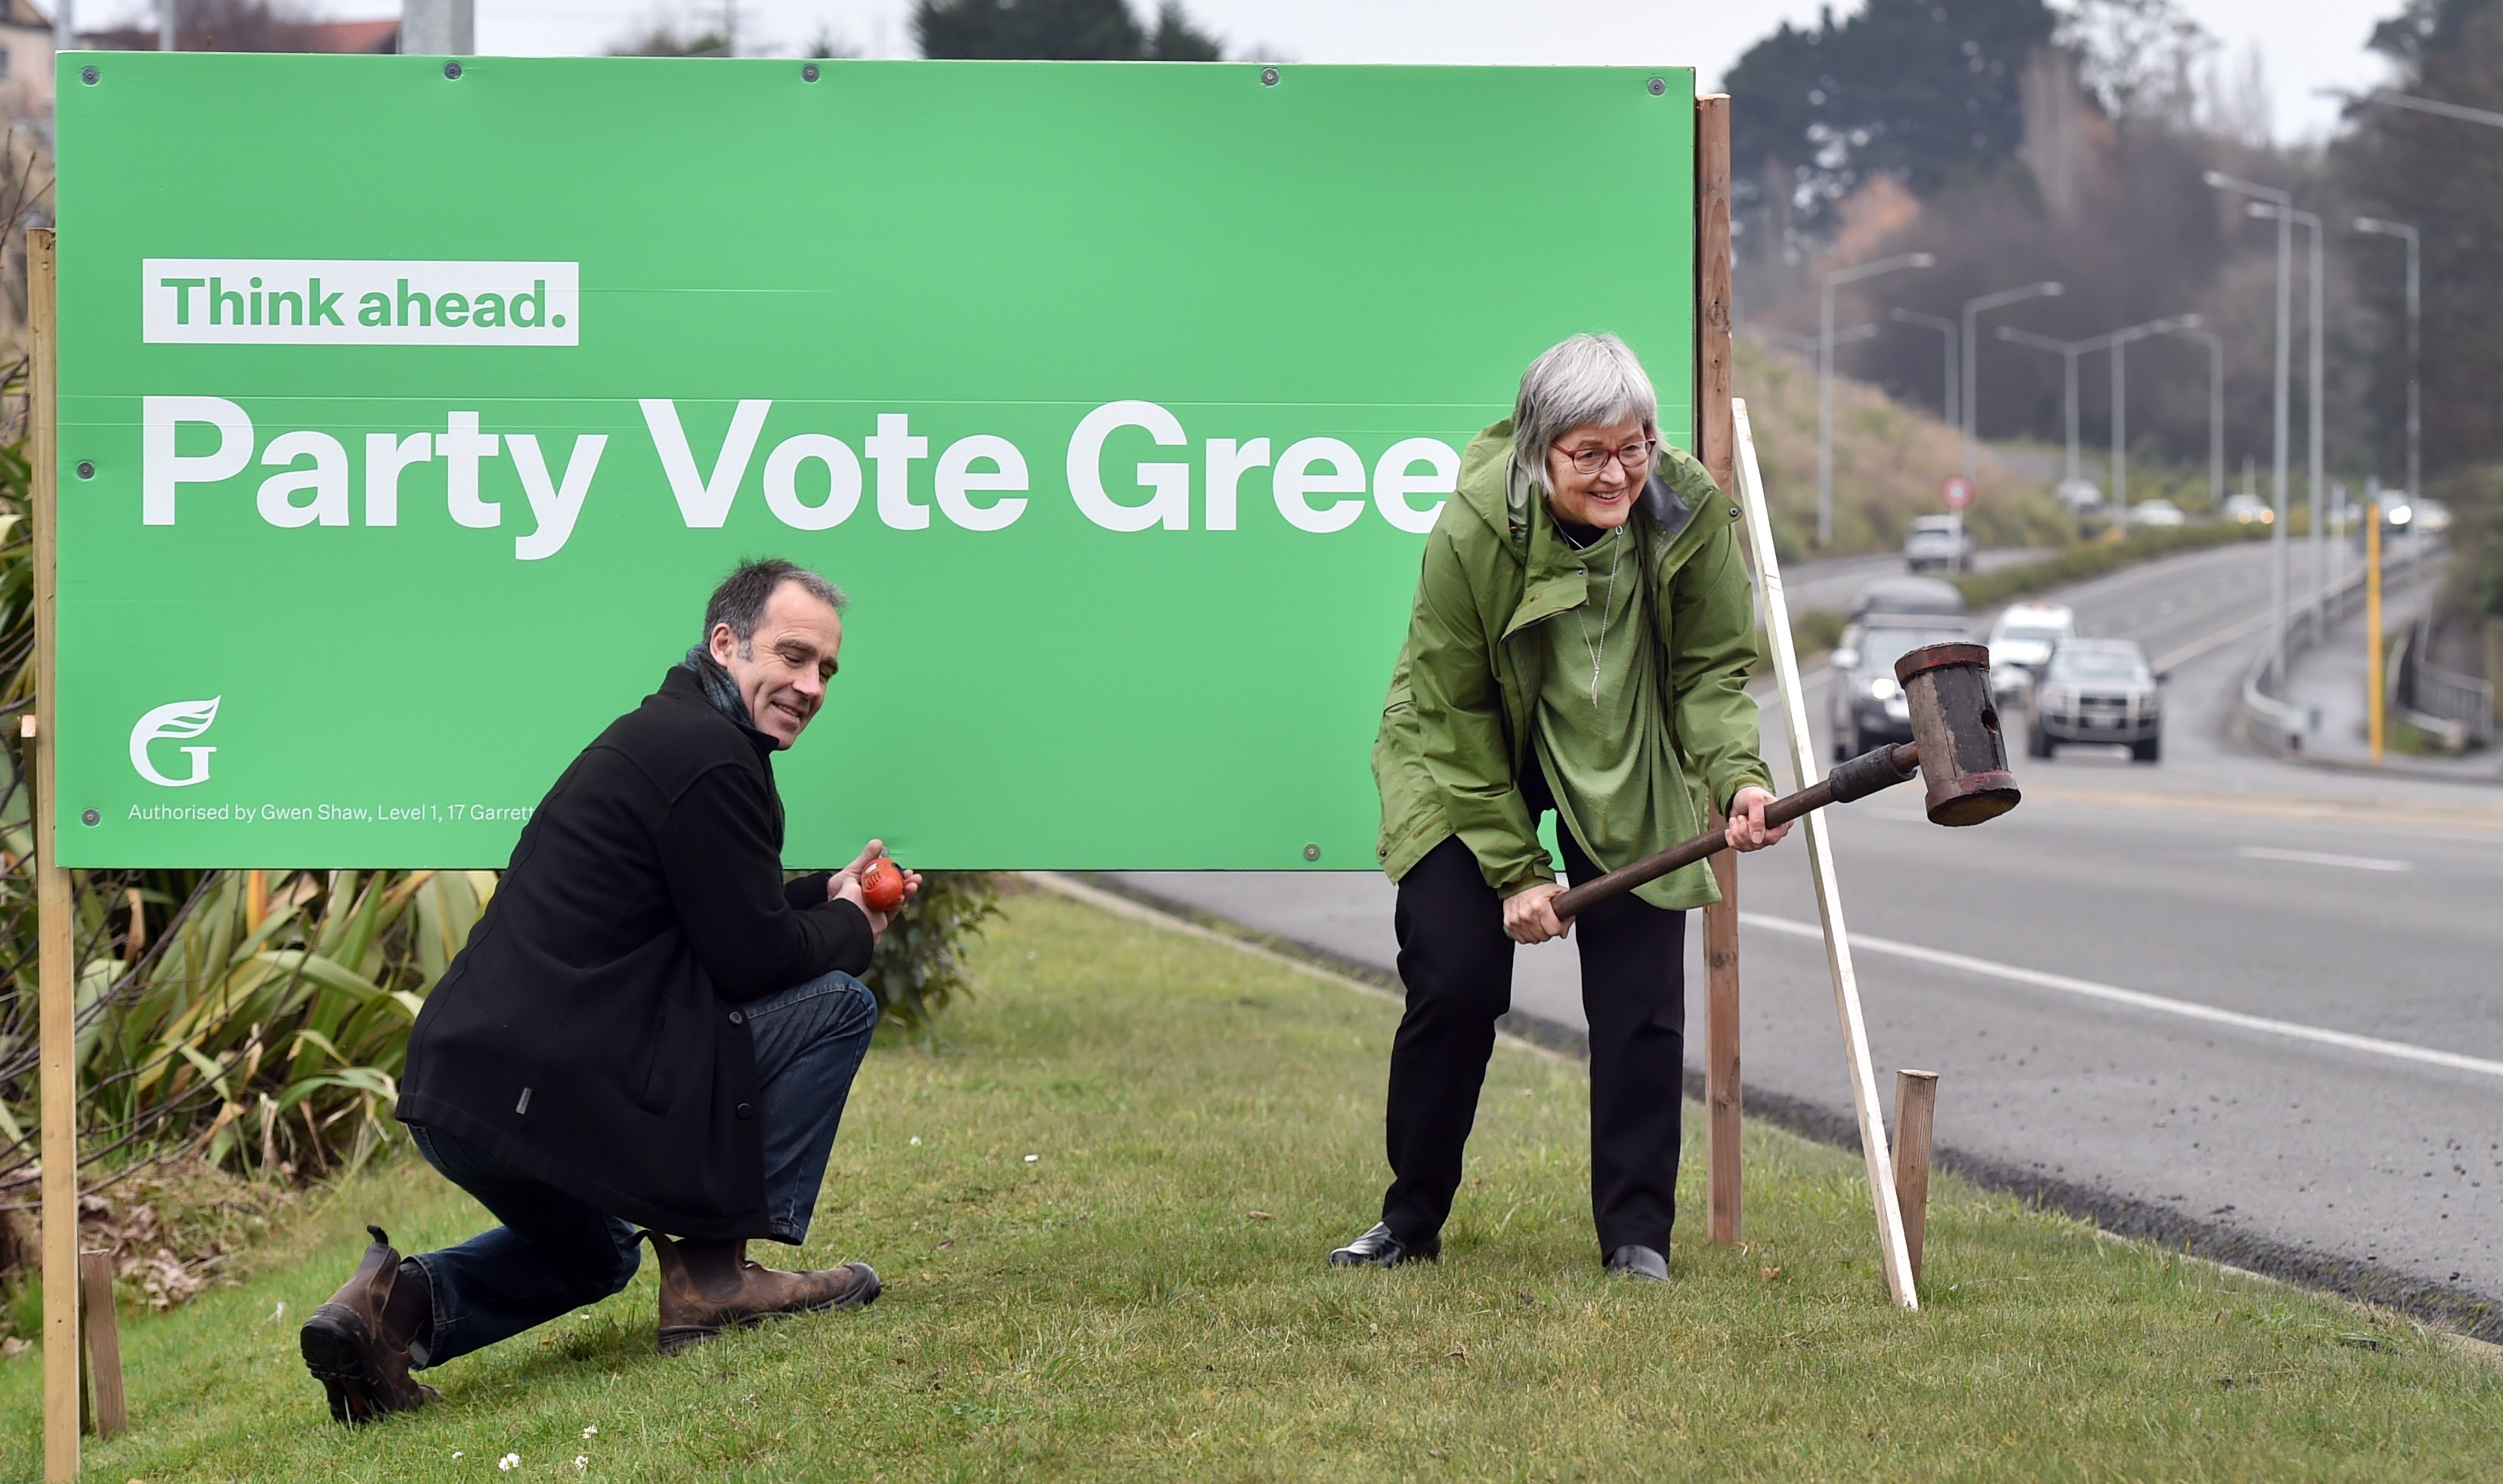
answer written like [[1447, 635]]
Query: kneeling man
[[647, 1027]]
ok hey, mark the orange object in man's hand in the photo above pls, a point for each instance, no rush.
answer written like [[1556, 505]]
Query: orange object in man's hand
[[882, 884]]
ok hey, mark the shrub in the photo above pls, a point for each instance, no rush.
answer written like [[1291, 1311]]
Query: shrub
[[919, 968]]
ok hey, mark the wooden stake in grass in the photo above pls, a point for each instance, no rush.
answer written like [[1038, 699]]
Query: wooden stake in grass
[[103, 1342], [1916, 1101]]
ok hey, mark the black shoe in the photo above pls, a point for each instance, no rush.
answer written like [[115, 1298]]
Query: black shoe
[[1378, 1248], [1639, 1262]]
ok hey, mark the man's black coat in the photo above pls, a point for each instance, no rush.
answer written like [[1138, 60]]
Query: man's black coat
[[590, 1034]]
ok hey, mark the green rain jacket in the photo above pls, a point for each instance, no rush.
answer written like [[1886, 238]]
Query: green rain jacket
[[1455, 730]]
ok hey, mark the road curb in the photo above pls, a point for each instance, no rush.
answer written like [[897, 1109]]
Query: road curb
[[2458, 1312]]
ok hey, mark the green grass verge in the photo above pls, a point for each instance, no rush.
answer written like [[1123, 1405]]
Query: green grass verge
[[1147, 1297]]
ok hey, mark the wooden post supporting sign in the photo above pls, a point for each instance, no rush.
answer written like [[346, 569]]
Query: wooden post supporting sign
[[55, 974], [1715, 447]]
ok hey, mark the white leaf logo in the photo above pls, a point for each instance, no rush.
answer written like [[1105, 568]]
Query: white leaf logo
[[180, 720]]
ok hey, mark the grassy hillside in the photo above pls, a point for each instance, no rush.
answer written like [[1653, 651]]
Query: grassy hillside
[[1888, 459]]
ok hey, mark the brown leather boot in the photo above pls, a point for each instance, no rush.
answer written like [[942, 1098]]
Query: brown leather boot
[[354, 1353], [722, 1289]]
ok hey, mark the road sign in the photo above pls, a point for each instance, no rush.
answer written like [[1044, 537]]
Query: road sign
[[1956, 490], [410, 409]]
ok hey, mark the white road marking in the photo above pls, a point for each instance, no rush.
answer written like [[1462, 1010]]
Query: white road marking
[[2322, 858], [2136, 998]]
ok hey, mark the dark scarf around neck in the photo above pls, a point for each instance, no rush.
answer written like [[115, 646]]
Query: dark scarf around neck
[[718, 688]]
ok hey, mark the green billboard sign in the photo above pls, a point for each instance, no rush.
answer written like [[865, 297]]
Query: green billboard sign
[[409, 412]]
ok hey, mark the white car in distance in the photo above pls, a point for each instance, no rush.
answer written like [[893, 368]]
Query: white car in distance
[[2021, 641]]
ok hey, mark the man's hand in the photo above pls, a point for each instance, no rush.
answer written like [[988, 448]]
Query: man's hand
[[1747, 830], [844, 886], [1529, 914]]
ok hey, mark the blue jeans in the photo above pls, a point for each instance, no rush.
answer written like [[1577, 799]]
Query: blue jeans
[[554, 1254]]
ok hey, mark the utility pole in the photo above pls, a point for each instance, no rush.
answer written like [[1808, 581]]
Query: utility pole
[[1974, 309], [2067, 351], [2119, 340], [438, 27], [2216, 407], [2219, 180], [2415, 426], [64, 27], [1947, 330], [2311, 413], [165, 40], [1825, 375]]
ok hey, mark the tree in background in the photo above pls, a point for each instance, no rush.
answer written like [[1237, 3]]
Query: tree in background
[[1925, 91], [1059, 30], [2445, 178], [662, 37], [2115, 118]]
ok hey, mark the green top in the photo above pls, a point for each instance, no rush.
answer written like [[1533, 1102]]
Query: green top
[[1467, 696], [1600, 738]]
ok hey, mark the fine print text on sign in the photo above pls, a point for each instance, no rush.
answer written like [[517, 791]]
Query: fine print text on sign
[[1119, 400]]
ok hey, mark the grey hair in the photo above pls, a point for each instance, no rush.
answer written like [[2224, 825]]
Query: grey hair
[[1583, 381], [739, 602]]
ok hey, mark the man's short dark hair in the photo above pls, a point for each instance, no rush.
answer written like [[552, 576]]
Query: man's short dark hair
[[739, 602]]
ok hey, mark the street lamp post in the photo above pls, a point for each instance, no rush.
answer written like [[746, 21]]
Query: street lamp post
[[2311, 409], [1947, 330], [2119, 340], [2219, 180], [2116, 342], [1806, 345], [2459, 110], [1825, 375], [2067, 351], [2416, 430], [2216, 407], [1974, 309]]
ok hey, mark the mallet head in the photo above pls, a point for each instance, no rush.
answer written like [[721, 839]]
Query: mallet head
[[1964, 757]]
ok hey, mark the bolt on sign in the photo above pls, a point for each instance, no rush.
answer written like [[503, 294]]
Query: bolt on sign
[[409, 413]]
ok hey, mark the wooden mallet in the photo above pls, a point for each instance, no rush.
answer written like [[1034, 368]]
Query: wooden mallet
[[1955, 745]]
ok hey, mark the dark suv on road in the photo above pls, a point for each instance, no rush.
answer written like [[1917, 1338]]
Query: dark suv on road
[[1868, 706]]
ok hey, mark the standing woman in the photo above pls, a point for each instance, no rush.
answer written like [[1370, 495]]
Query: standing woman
[[1579, 643]]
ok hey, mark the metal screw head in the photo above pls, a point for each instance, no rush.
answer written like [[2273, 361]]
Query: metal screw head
[[1312, 852], [451, 70], [89, 817], [89, 75], [1268, 77], [809, 74], [86, 468], [1659, 85]]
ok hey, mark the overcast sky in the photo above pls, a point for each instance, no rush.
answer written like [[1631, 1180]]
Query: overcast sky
[[2307, 44]]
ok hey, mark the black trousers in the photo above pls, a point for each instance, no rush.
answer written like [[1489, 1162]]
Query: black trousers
[[1456, 963]]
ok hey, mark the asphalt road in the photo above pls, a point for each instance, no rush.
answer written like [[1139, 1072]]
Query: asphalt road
[[2221, 999]]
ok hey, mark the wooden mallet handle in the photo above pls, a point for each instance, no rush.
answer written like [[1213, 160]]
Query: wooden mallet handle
[[1879, 768]]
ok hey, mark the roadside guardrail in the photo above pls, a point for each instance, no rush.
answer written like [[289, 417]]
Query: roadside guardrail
[[2269, 720]]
